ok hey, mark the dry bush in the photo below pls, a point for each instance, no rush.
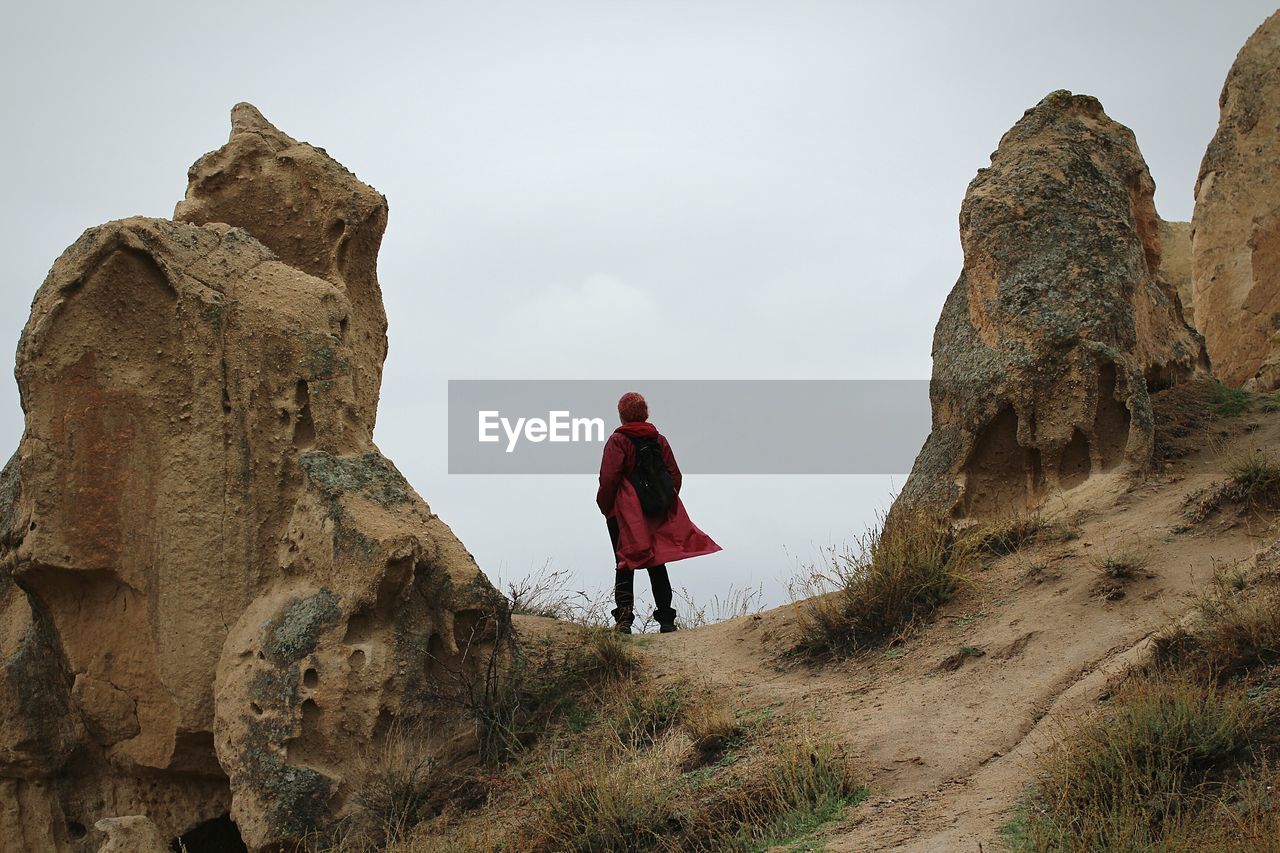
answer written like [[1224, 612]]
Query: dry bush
[[1236, 629], [1145, 770], [710, 725], [901, 572], [520, 691], [1122, 566], [1006, 535], [642, 712], [639, 800], [1184, 757], [607, 802], [546, 593], [1254, 479], [1253, 484]]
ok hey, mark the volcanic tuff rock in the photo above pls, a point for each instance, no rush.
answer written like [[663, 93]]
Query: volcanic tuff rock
[[1175, 264], [1236, 241], [216, 591], [1060, 322]]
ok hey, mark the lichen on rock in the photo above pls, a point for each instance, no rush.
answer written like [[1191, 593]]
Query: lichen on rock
[[1059, 325], [216, 590]]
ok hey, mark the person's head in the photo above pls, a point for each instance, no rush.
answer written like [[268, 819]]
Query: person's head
[[632, 407]]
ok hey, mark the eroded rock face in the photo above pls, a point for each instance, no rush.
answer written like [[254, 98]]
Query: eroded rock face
[[1236, 223], [1060, 322], [314, 215], [216, 592], [1175, 265]]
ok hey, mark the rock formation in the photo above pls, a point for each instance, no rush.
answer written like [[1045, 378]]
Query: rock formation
[[1175, 265], [216, 591], [1236, 240], [1060, 322]]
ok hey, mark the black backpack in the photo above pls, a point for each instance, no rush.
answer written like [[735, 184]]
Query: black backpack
[[650, 477]]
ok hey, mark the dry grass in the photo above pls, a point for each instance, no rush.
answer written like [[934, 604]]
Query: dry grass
[[546, 592], [710, 725], [900, 573], [522, 691], [1252, 484], [1236, 629], [1004, 536], [656, 769], [1254, 479], [1183, 757], [644, 801], [1136, 777]]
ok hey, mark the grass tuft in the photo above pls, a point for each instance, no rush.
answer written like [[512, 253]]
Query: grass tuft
[[1124, 779], [1184, 756], [1007, 535], [902, 572], [1254, 479]]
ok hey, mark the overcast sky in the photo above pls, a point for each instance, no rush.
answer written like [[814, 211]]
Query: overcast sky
[[772, 185]]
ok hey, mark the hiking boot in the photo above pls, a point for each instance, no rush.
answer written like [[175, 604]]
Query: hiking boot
[[668, 628], [623, 617]]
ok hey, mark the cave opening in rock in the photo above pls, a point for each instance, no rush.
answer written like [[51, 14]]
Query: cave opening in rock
[[218, 835], [1000, 475], [1111, 420], [1074, 466]]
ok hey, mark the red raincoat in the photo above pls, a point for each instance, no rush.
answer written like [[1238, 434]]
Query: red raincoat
[[645, 541]]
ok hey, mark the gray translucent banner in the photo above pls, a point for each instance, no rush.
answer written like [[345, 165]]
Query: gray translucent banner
[[558, 426]]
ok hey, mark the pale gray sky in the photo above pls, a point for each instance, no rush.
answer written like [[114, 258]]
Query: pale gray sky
[[774, 184]]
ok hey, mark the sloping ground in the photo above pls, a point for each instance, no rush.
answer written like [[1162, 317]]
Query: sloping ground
[[947, 749]]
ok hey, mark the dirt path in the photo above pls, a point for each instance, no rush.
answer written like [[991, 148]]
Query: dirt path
[[948, 752]]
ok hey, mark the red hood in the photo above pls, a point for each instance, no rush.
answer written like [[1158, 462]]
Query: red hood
[[638, 429]]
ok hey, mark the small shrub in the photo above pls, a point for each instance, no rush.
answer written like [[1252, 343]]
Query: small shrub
[[1254, 480], [710, 725], [1229, 401], [546, 593], [519, 692], [541, 593], [805, 784], [645, 712], [1007, 535], [1236, 629], [906, 568], [622, 802], [394, 783], [638, 800], [603, 655], [1122, 567], [1127, 777]]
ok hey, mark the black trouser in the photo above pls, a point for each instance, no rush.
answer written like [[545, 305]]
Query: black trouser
[[624, 590]]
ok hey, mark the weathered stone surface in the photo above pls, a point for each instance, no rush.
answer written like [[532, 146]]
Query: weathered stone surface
[[315, 215], [130, 834], [1175, 265], [39, 728], [1059, 324], [1236, 236], [227, 592]]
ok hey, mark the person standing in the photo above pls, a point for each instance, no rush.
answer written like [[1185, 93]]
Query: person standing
[[639, 496]]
